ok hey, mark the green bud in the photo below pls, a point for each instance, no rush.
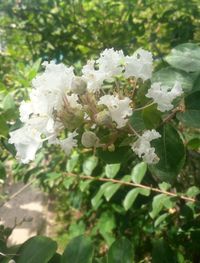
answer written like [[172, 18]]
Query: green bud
[[89, 139], [73, 120], [103, 118], [79, 86]]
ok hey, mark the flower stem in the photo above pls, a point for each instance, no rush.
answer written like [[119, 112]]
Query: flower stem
[[144, 107], [133, 130]]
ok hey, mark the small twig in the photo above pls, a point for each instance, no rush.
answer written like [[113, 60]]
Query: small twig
[[171, 115], [86, 177]]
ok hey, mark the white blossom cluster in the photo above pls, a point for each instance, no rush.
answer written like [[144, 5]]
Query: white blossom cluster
[[60, 101]]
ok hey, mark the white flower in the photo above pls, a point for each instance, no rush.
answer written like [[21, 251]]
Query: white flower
[[139, 65], [56, 77], [27, 141], [69, 143], [44, 124], [110, 61], [164, 95], [93, 77], [50, 87], [25, 111], [109, 65], [143, 149], [119, 109], [46, 97]]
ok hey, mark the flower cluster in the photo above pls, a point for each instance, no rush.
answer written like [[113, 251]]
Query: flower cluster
[[101, 99]]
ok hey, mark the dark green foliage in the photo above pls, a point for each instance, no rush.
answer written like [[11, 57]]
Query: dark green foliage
[[37, 249], [78, 250]]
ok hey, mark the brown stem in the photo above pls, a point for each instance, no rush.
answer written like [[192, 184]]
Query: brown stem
[[86, 177], [171, 115]]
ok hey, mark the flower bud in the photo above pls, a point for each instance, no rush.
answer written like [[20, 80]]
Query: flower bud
[[73, 120], [78, 86], [103, 118], [89, 139]]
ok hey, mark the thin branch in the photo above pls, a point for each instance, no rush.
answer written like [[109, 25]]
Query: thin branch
[[86, 177], [171, 115]]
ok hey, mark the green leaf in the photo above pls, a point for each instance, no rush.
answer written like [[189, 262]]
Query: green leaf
[[191, 116], [193, 191], [164, 186], [72, 162], [9, 147], [55, 259], [51, 178], [192, 101], [89, 165], [100, 260], [162, 252], [84, 185], [96, 200], [111, 190], [145, 192], [160, 201], [185, 57], [121, 251], [194, 144], [3, 127], [168, 76], [2, 171], [137, 121], [76, 229], [37, 249], [106, 224], [196, 85], [151, 117], [130, 198], [112, 169], [160, 219], [34, 69], [9, 107], [68, 181], [79, 250], [121, 154], [138, 172], [171, 151], [8, 102]]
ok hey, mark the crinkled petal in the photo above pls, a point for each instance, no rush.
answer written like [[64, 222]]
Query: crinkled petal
[[27, 141]]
